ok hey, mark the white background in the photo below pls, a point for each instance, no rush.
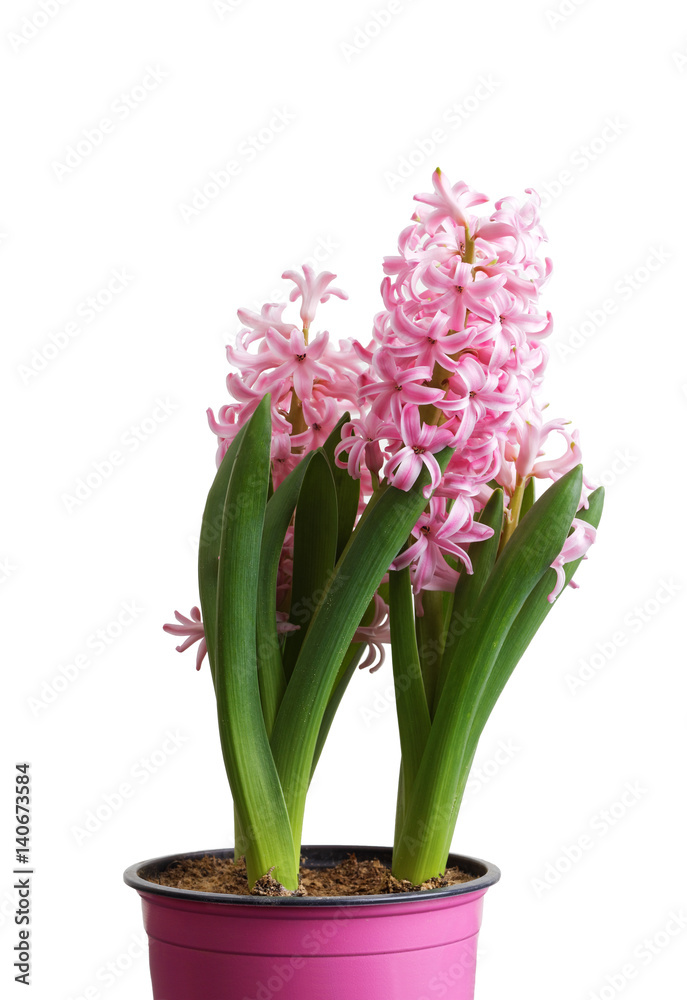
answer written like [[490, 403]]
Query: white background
[[327, 180]]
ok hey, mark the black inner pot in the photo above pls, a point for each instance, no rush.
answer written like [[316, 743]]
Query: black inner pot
[[315, 857]]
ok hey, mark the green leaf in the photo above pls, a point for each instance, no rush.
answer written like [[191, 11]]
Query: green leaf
[[534, 545], [532, 614], [208, 548], [469, 586], [528, 497], [278, 514], [247, 756], [347, 488], [429, 630], [314, 551], [377, 539], [530, 618], [411, 700]]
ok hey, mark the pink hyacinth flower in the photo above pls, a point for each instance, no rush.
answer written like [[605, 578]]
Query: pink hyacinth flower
[[360, 439], [320, 414], [194, 631], [439, 534], [284, 626], [398, 386], [475, 393], [576, 546], [284, 459], [269, 318], [447, 202], [420, 444], [312, 289], [533, 436], [430, 340], [293, 358], [376, 634], [459, 291]]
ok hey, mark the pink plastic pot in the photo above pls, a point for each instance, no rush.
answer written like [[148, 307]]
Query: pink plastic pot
[[411, 946]]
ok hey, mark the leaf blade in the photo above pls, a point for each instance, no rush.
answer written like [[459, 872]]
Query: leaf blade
[[470, 586], [209, 544], [314, 551], [523, 561], [523, 630], [347, 489], [412, 711], [278, 514], [248, 759], [377, 539]]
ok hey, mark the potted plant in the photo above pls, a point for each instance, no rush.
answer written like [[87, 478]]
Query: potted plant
[[366, 495]]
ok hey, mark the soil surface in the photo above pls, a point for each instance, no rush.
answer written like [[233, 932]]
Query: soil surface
[[348, 878]]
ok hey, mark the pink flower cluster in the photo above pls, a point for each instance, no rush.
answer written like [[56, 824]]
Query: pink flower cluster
[[311, 380], [456, 359]]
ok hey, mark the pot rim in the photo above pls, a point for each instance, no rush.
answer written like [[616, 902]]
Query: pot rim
[[486, 874]]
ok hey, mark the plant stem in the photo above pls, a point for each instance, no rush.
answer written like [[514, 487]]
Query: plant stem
[[429, 413], [430, 640], [412, 710], [295, 415], [513, 512]]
